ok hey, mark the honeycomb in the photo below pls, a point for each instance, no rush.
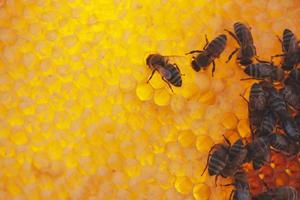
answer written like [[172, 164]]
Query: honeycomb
[[78, 120]]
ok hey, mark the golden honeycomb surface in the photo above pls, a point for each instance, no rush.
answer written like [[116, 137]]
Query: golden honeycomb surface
[[79, 121]]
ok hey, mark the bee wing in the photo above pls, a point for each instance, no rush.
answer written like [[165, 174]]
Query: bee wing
[[293, 47], [247, 39]]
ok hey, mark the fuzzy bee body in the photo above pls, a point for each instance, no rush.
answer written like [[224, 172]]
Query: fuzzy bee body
[[257, 97], [170, 72], [217, 160], [211, 51], [277, 104], [264, 70], [283, 144], [291, 97], [268, 124], [237, 156], [241, 187], [246, 51], [290, 128], [258, 151], [279, 193]]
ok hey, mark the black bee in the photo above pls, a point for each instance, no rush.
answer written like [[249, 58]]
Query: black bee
[[267, 125], [264, 70], [277, 104], [258, 151], [217, 158], [278, 193], [291, 96], [241, 185], [290, 127], [237, 156], [257, 97], [246, 51], [290, 50], [170, 72], [210, 52], [283, 144]]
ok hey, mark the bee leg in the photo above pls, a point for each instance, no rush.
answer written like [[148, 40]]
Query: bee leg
[[194, 51], [163, 78], [231, 195], [206, 42], [232, 53], [278, 55], [216, 180], [226, 140], [213, 69], [261, 61], [232, 35], [151, 76]]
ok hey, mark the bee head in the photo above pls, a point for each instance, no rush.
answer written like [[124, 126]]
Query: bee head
[[247, 70], [201, 61]]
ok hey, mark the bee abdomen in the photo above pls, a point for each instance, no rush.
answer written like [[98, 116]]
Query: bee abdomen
[[216, 164], [241, 31], [253, 70], [217, 45], [287, 35]]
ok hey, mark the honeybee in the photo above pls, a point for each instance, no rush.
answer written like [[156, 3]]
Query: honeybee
[[277, 104], [264, 70], [170, 72], [241, 185], [237, 156], [290, 50], [290, 128], [278, 193], [267, 125], [257, 97], [258, 151], [246, 51], [210, 52], [283, 144], [291, 96], [217, 158]]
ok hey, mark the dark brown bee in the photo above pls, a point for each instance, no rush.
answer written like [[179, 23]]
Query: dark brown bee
[[290, 128], [170, 72], [217, 158], [278, 193], [293, 80], [284, 145], [237, 156], [246, 51], [257, 97], [291, 96], [210, 52], [241, 191], [267, 125], [277, 104], [258, 151], [264, 70], [290, 50]]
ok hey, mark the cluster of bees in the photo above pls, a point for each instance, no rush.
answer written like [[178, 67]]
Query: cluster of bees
[[274, 105]]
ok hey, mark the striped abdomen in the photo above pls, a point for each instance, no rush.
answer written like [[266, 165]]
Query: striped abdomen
[[259, 70], [286, 39], [257, 97], [290, 128], [268, 123], [279, 142], [175, 75], [285, 192], [216, 46], [243, 34], [277, 104], [291, 97], [217, 160]]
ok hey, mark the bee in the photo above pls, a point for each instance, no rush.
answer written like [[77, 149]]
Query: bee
[[170, 72], [241, 191], [258, 151], [267, 125], [284, 145], [210, 52], [217, 158], [264, 70], [293, 80], [257, 97], [278, 193], [290, 127], [290, 50], [277, 104], [291, 97], [237, 156], [246, 51]]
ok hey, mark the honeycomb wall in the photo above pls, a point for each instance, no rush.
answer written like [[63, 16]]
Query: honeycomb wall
[[77, 119]]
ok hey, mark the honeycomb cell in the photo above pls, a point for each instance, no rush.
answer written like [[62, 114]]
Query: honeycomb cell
[[161, 97], [201, 192], [144, 92], [183, 185], [186, 138], [243, 128], [204, 143], [229, 120]]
